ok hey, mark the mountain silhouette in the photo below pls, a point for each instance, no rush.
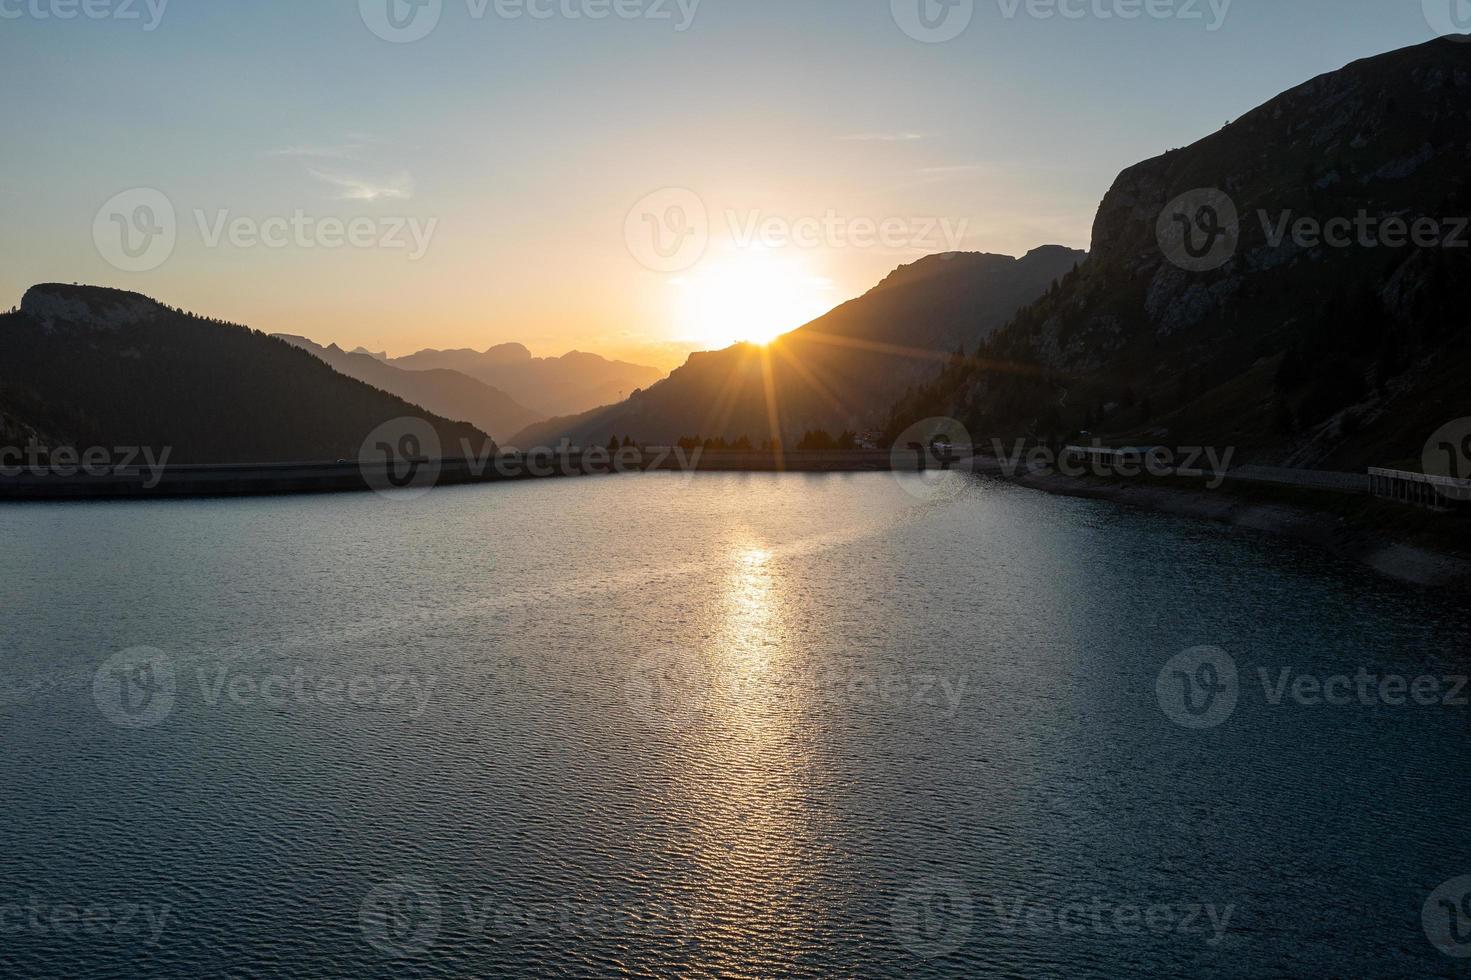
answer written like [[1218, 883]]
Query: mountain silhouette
[[548, 386], [1202, 317], [86, 366], [446, 393], [843, 370]]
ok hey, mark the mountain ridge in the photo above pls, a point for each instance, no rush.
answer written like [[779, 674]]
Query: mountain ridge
[[843, 370], [92, 366], [575, 382], [1295, 351], [441, 391]]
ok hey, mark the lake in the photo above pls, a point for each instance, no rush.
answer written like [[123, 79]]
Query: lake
[[721, 725]]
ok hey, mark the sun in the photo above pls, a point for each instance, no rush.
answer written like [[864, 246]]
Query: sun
[[751, 295]]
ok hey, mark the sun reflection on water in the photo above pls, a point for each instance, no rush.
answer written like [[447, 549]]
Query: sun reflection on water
[[759, 833], [752, 625]]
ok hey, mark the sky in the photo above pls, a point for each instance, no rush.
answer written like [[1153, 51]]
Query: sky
[[636, 178]]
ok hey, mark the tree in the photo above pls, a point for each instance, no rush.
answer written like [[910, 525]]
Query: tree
[[816, 440], [613, 444]]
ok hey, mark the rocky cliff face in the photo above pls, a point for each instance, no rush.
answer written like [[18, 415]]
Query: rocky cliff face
[[93, 306], [1387, 136], [1269, 286]]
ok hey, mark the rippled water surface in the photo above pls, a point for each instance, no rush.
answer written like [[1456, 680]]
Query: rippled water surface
[[723, 726]]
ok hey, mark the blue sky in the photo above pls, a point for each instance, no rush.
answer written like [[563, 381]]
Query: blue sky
[[519, 145]]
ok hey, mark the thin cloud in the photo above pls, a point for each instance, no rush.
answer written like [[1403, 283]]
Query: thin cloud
[[351, 187]]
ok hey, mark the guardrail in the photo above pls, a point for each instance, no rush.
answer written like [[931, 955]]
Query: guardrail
[[1419, 489]]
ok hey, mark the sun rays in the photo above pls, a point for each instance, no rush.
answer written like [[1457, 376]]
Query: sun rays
[[793, 359], [752, 296]]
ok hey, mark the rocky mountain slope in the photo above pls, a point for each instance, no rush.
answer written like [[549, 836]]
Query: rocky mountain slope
[[1295, 285]]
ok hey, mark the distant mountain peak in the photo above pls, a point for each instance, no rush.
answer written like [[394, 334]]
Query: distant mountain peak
[[507, 353], [442, 391], [94, 306], [553, 386], [1049, 252]]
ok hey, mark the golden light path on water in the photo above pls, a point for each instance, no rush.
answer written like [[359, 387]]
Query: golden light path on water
[[749, 771]]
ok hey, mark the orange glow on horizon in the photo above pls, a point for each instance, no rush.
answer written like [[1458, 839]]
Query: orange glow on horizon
[[751, 296]]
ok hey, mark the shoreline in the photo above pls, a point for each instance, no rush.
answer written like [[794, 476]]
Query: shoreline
[[1400, 542], [1390, 555], [174, 481]]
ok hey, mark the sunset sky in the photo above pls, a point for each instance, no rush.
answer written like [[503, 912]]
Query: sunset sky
[[522, 148]]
